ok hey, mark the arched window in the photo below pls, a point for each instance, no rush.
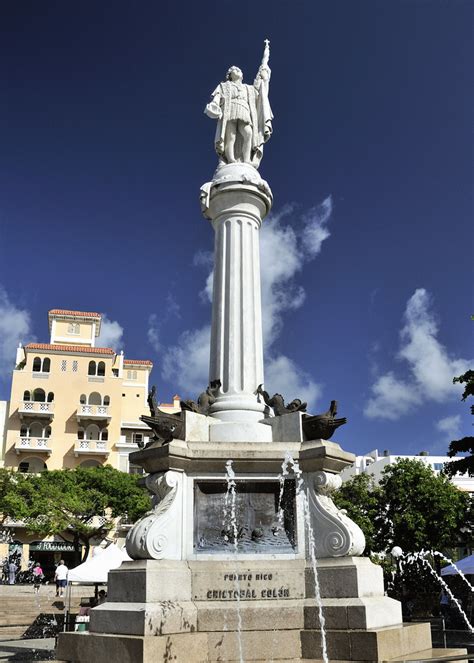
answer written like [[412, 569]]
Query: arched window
[[32, 465], [83, 399], [106, 400], [39, 396], [24, 432], [92, 432], [36, 429], [90, 463], [92, 368], [101, 368], [104, 434], [95, 398], [80, 433], [47, 431], [26, 395], [37, 365], [46, 364], [50, 397]]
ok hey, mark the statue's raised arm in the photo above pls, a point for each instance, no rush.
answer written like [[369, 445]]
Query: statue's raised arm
[[243, 114]]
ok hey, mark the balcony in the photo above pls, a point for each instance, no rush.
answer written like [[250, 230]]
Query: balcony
[[36, 409], [29, 444], [95, 447], [94, 412]]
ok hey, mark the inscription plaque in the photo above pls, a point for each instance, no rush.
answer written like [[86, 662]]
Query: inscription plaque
[[260, 526]]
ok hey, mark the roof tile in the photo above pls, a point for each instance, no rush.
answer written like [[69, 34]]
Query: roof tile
[[70, 348]]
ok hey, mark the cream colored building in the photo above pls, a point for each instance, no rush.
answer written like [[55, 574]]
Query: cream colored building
[[73, 403]]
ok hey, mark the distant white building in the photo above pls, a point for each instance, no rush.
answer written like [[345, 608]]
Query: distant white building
[[374, 463], [3, 428]]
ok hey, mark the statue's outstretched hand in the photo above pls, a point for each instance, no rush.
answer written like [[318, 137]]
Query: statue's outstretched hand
[[213, 111]]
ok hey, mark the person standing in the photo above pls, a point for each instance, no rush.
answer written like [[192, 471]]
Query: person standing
[[38, 576], [61, 577], [12, 569]]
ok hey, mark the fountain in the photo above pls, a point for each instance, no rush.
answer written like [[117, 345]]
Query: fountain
[[279, 575]]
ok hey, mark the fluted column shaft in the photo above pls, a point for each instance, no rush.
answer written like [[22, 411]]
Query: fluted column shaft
[[236, 211]]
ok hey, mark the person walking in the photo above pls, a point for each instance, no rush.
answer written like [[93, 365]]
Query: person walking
[[12, 569], [61, 577], [38, 576]]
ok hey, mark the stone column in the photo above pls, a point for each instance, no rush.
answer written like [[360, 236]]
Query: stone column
[[236, 202]]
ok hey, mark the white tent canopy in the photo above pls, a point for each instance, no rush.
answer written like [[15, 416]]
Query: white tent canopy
[[96, 569], [466, 565]]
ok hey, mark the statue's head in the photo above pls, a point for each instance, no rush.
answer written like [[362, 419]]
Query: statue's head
[[234, 74]]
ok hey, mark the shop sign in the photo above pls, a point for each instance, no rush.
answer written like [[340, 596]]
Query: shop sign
[[52, 546]]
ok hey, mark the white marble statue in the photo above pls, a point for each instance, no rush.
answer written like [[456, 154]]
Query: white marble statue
[[243, 114]]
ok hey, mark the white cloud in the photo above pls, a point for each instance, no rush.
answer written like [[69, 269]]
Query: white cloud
[[15, 328], [111, 333], [153, 332], [391, 398], [431, 367], [187, 363], [283, 254], [449, 426], [285, 377]]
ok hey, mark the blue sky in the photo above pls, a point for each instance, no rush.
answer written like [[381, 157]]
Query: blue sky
[[366, 258]]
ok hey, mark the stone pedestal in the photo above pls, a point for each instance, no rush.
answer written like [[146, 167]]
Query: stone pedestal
[[187, 612]]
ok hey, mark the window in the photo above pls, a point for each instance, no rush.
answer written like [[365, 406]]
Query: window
[[92, 368], [95, 398], [24, 431], [74, 366], [90, 463], [131, 375], [26, 396], [106, 400], [92, 432], [80, 433], [438, 467], [47, 431], [74, 328], [104, 434], [101, 368], [36, 430], [39, 396], [83, 399], [137, 438], [32, 465], [50, 397], [41, 366], [63, 365]]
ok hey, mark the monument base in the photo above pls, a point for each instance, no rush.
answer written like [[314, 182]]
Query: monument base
[[192, 612]]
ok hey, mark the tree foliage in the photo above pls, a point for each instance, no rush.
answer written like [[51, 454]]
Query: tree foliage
[[361, 498], [411, 507], [81, 504], [466, 444]]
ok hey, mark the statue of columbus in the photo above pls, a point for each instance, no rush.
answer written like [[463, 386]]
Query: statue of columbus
[[243, 113]]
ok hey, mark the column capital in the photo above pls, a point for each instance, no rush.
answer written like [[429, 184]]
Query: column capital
[[236, 188]]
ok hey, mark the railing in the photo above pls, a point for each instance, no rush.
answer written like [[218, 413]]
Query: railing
[[36, 407], [32, 444], [94, 411], [95, 378], [91, 446]]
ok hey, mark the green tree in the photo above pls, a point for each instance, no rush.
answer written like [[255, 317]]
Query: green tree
[[411, 507], [421, 510], [465, 444], [361, 498], [79, 504]]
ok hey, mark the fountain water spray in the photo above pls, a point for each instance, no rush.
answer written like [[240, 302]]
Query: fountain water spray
[[410, 558], [301, 495]]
